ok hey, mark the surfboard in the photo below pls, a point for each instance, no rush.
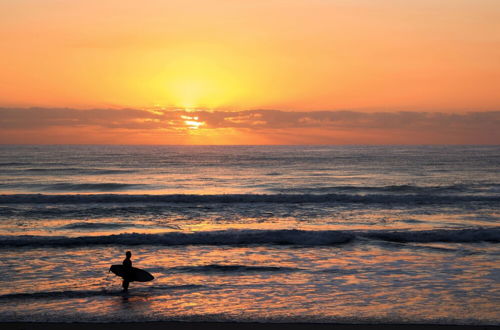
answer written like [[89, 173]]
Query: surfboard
[[138, 275]]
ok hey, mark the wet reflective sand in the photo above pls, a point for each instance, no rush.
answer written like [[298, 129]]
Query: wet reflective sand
[[366, 282]]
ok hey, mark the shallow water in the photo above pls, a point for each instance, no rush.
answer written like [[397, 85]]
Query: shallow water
[[313, 233]]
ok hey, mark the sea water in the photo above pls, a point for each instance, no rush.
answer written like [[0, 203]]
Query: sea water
[[251, 233]]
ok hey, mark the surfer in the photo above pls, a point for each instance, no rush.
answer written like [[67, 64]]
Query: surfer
[[127, 266], [129, 273]]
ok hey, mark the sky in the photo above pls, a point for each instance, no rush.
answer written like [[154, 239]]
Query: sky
[[250, 72]]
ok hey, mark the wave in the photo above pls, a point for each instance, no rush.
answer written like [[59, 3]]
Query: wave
[[224, 237], [58, 294], [72, 170], [13, 163], [93, 225], [92, 186], [403, 189], [76, 187], [229, 198], [89, 293], [259, 237], [439, 235], [230, 269]]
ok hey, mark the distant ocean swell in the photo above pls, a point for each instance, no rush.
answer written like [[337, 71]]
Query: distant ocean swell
[[66, 170], [30, 186], [248, 198], [260, 237], [79, 187]]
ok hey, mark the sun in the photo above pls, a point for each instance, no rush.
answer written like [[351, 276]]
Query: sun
[[192, 122]]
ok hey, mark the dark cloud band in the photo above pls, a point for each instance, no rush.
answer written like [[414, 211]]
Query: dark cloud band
[[36, 118]]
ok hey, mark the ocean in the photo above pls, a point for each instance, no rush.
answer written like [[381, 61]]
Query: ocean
[[351, 234]]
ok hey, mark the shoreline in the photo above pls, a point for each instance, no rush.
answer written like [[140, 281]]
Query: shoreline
[[177, 325]]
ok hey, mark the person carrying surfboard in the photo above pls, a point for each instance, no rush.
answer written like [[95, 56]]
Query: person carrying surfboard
[[127, 267], [129, 273]]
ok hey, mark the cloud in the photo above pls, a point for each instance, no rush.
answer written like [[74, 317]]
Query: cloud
[[479, 127]]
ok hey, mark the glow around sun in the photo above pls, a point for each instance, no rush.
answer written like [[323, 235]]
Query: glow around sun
[[192, 122], [201, 82]]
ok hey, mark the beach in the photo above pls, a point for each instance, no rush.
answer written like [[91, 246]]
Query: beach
[[321, 236], [249, 165], [231, 326]]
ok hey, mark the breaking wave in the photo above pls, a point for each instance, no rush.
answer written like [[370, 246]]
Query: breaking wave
[[225, 237], [232, 198], [259, 237]]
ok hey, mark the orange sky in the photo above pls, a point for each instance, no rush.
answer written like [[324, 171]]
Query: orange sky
[[290, 55]]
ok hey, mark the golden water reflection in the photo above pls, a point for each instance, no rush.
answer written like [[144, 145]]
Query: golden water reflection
[[273, 283]]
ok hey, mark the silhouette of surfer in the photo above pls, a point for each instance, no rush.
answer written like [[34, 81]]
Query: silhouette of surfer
[[129, 273], [127, 265]]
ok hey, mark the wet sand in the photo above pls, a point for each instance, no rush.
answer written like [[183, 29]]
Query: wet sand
[[232, 326]]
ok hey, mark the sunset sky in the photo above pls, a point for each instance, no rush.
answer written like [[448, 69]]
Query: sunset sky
[[250, 72]]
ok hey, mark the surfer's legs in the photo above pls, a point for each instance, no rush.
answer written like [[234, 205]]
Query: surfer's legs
[[125, 285]]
